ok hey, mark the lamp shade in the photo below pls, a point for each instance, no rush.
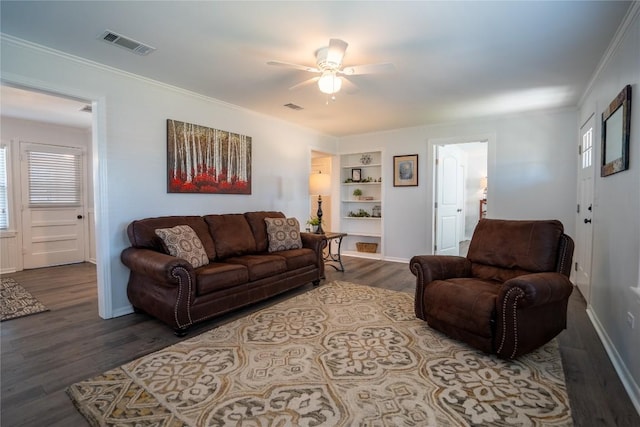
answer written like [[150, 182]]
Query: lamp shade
[[319, 184]]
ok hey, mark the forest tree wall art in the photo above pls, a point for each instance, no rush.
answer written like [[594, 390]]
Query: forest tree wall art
[[206, 160]]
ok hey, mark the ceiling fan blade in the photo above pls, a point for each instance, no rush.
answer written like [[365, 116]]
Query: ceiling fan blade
[[386, 67], [305, 83], [349, 87], [336, 51], [294, 66]]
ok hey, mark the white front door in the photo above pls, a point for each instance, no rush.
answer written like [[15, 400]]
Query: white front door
[[52, 182], [448, 211], [584, 220]]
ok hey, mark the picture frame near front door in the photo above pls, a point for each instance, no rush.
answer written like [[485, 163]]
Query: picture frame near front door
[[616, 132]]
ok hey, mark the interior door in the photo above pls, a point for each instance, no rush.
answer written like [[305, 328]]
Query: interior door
[[52, 205], [448, 210], [584, 229]]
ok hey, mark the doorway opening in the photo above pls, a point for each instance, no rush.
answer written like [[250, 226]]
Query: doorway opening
[[50, 140], [460, 194], [321, 164]]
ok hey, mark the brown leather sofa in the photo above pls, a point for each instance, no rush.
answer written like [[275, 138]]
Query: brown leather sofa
[[509, 295], [240, 271]]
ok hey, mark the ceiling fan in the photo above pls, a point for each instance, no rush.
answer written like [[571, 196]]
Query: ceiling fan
[[330, 68]]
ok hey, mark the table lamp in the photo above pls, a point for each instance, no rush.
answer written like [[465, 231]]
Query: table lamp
[[319, 184]]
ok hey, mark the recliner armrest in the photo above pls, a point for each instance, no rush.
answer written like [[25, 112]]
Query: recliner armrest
[[537, 289], [428, 268]]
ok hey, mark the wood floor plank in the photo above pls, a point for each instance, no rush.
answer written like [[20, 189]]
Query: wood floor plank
[[41, 355]]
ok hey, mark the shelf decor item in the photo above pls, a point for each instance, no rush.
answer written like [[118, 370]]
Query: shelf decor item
[[405, 170], [357, 193], [367, 247], [616, 132], [365, 159], [356, 175]]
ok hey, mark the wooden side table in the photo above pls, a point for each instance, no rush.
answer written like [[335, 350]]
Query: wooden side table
[[334, 259]]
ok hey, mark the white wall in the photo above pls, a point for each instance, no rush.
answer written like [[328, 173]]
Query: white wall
[[12, 132], [616, 215], [130, 151], [531, 167], [476, 154]]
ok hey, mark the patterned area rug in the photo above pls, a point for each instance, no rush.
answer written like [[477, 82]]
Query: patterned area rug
[[17, 301], [339, 355]]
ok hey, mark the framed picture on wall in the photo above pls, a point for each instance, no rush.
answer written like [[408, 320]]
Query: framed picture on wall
[[405, 170], [616, 132], [206, 160]]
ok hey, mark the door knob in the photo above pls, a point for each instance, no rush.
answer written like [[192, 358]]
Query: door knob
[[459, 210], [587, 221], [79, 216]]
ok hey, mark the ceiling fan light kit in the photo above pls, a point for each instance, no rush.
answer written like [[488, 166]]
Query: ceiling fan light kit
[[329, 83], [329, 65]]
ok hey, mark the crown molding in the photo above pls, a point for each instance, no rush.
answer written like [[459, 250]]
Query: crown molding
[[621, 33]]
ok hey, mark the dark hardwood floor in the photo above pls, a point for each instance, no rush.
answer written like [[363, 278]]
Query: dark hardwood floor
[[44, 353]]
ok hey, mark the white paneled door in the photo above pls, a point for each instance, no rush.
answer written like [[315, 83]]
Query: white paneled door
[[584, 221], [448, 200], [53, 213]]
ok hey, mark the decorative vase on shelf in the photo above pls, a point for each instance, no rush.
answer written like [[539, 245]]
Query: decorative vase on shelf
[[365, 159]]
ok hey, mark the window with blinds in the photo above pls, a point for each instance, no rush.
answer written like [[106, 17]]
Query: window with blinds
[[54, 179], [4, 195]]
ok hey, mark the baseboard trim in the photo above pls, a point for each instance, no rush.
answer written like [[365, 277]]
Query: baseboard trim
[[618, 364], [122, 311], [401, 260]]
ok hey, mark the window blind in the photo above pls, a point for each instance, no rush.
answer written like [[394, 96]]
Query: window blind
[[54, 179], [4, 204]]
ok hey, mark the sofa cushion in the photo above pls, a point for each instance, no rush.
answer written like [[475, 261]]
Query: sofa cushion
[[259, 228], [142, 233], [467, 303], [299, 258], [283, 234], [260, 266], [232, 235], [493, 243], [182, 242], [218, 276]]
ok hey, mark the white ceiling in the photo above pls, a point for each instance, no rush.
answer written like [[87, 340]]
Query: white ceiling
[[454, 60]]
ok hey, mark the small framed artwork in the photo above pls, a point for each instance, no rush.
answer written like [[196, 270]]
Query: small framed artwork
[[405, 170], [356, 175], [616, 131]]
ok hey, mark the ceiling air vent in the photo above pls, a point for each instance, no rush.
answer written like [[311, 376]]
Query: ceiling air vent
[[126, 43], [293, 106]]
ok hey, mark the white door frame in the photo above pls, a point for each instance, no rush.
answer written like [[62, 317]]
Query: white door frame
[[490, 138], [99, 179]]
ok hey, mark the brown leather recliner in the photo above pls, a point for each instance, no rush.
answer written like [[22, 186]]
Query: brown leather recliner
[[509, 295]]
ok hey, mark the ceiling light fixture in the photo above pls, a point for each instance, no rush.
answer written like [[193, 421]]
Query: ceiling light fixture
[[329, 82]]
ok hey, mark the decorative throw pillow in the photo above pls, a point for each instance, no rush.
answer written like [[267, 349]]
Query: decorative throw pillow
[[283, 234], [182, 242]]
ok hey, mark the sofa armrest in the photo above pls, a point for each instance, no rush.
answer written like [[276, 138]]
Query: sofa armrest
[[535, 289], [161, 285], [428, 268], [317, 242], [530, 310], [158, 266]]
